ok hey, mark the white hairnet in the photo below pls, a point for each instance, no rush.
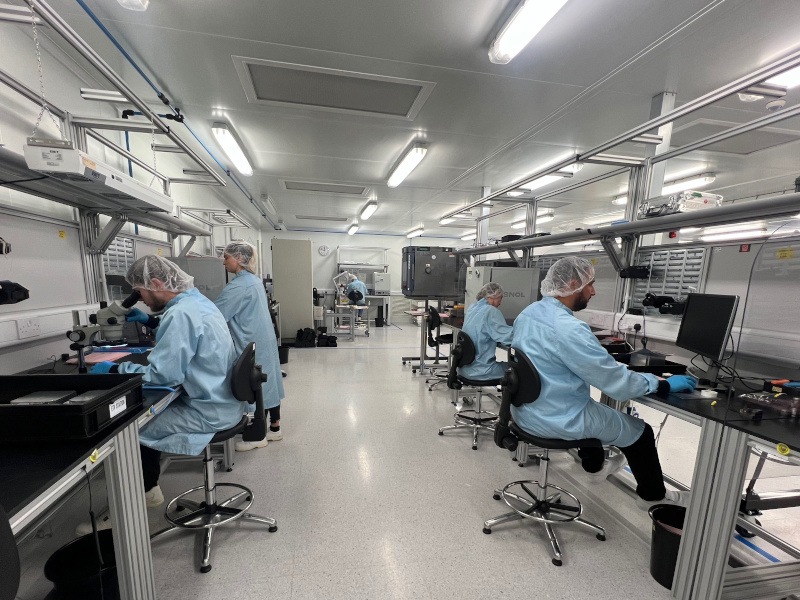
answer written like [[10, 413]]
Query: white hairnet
[[244, 254], [143, 271], [567, 276], [490, 290], [351, 277]]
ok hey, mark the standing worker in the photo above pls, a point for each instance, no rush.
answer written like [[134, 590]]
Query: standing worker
[[244, 305], [569, 360], [486, 326], [194, 350], [355, 288]]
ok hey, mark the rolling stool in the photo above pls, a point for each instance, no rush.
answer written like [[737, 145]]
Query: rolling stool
[[438, 376], [206, 516], [476, 419], [545, 503]]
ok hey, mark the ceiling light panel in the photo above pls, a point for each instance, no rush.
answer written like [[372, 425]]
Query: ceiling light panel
[[406, 164], [232, 148], [528, 19], [415, 232], [787, 79], [369, 210]]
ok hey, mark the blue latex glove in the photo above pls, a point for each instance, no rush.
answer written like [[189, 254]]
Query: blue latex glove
[[137, 315], [681, 383], [102, 368]]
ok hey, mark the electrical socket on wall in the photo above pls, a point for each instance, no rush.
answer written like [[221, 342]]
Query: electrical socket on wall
[[27, 328]]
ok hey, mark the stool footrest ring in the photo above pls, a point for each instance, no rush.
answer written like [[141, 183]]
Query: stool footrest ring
[[217, 515], [549, 510]]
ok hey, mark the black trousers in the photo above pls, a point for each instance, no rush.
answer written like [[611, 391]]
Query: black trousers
[[151, 467], [273, 414], [643, 460]]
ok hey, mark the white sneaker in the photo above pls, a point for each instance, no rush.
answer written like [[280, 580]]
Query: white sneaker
[[155, 497], [242, 446], [610, 466], [274, 436], [85, 528], [671, 497]]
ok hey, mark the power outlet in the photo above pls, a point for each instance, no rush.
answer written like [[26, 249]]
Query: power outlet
[[28, 328]]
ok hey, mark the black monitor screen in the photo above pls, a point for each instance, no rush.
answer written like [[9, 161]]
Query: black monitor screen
[[706, 324]]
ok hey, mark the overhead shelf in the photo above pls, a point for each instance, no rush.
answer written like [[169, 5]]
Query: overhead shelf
[[15, 174]]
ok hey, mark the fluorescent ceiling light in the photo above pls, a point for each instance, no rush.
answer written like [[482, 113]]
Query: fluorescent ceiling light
[[787, 79], [232, 149], [749, 97], [620, 200], [541, 182], [415, 232], [469, 236], [573, 168], [544, 217], [408, 163], [134, 4], [737, 235], [266, 204], [518, 225], [103, 95], [369, 209], [446, 220], [514, 193], [689, 229], [525, 22], [746, 226], [352, 229], [581, 243], [688, 184]]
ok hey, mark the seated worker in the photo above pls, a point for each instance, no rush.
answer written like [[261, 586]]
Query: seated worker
[[244, 305], [193, 349], [486, 327], [569, 360], [355, 288]]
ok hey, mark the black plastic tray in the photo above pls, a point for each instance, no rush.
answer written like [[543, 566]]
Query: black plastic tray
[[64, 421], [657, 365]]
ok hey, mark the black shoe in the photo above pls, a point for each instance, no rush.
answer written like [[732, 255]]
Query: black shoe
[[283, 373]]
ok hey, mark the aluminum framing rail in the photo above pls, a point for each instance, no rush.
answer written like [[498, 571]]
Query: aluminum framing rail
[[757, 76], [28, 93], [778, 206], [120, 150], [568, 188], [58, 24]]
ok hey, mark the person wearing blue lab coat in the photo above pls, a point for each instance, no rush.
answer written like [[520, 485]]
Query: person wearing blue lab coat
[[486, 327], [569, 360], [244, 305], [356, 285], [193, 349]]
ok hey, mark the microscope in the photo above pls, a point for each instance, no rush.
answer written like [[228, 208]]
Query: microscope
[[108, 321]]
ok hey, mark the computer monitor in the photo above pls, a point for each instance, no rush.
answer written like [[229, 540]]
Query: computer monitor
[[706, 324]]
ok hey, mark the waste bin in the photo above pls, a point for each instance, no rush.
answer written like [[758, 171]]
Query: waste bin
[[666, 540], [379, 318], [283, 354], [76, 572]]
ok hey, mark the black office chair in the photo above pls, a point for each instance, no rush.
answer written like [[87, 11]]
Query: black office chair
[[438, 376], [9, 559], [521, 385], [246, 380], [476, 419]]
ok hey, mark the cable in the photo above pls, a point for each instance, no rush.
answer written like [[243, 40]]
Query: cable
[[15, 181], [660, 429], [95, 533]]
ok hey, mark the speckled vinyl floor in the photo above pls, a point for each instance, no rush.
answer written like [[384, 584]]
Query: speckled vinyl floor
[[371, 503]]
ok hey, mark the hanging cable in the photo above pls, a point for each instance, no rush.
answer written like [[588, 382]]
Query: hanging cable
[[45, 107]]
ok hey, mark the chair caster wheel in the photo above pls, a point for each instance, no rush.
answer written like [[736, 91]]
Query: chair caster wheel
[[441, 432], [474, 447], [514, 459], [601, 537], [248, 499], [413, 371], [487, 531], [273, 529], [520, 464], [557, 562], [404, 362], [205, 569], [229, 469], [496, 496]]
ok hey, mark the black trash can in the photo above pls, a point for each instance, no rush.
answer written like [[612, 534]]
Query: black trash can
[[667, 531], [379, 318], [283, 354], [76, 572]]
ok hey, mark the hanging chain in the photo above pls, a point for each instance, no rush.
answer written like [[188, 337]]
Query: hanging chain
[[45, 107]]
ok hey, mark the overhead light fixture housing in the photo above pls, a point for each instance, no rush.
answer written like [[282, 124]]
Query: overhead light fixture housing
[[353, 228], [412, 157], [542, 181], [515, 193], [688, 184], [734, 235], [139, 5], [446, 220], [620, 200], [541, 217], [230, 145], [103, 95], [524, 23], [368, 210], [787, 79], [266, 204], [415, 232]]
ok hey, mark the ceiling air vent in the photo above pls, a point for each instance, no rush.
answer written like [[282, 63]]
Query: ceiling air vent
[[318, 218], [324, 188], [318, 88]]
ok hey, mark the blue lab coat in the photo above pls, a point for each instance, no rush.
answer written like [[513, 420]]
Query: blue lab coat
[[359, 286], [244, 305], [193, 349], [486, 327], [570, 359]]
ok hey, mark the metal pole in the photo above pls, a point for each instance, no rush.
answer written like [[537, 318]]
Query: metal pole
[[661, 104], [96, 136], [482, 226], [58, 24]]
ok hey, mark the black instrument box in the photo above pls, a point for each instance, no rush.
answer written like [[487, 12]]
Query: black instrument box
[[120, 394]]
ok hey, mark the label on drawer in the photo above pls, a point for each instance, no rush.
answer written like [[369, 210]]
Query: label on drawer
[[117, 407]]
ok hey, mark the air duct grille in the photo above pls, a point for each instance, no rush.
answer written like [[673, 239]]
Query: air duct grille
[[325, 188], [318, 88]]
